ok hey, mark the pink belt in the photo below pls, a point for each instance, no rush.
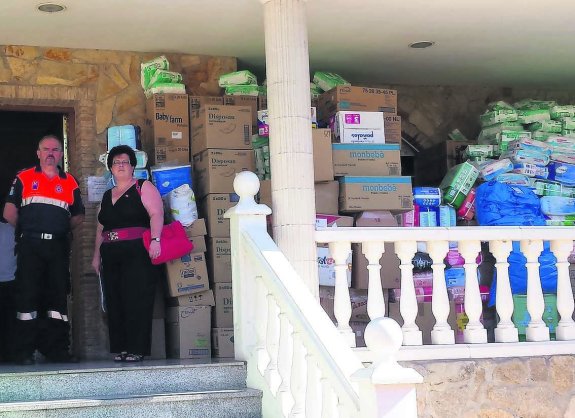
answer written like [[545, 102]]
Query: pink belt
[[123, 234]]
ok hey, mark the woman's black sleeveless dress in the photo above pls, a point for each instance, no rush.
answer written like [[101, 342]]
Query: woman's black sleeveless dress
[[129, 277]]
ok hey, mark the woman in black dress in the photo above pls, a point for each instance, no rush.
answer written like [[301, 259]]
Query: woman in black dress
[[129, 277]]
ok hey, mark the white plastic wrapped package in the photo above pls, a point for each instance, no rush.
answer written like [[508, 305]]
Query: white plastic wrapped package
[[182, 202], [531, 145], [531, 170], [237, 78], [149, 68], [493, 168], [527, 156]]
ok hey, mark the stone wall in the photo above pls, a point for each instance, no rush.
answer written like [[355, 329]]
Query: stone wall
[[97, 89], [533, 387]]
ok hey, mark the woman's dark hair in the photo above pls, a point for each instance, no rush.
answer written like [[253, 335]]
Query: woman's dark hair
[[118, 150]]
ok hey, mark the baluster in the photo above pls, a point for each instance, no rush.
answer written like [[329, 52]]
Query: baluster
[[536, 329], [565, 303], [298, 378], [285, 361], [329, 400], [313, 400], [441, 332], [260, 317], [405, 251], [375, 303], [342, 304], [271, 373], [506, 332], [474, 332]]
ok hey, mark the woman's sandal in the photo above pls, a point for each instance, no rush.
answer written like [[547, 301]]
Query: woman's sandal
[[133, 358], [121, 357]]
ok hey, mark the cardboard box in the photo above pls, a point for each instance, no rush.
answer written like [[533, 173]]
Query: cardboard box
[[325, 221], [392, 127], [376, 218], [224, 309], [189, 332], [186, 275], [198, 227], [225, 127], [223, 342], [265, 194], [197, 102], [250, 101], [199, 244], [215, 169], [366, 159], [262, 102], [390, 273], [358, 299], [375, 193], [425, 319], [326, 267], [213, 207], [365, 99], [326, 197], [220, 259], [205, 298], [166, 135], [359, 127], [322, 160], [158, 348]]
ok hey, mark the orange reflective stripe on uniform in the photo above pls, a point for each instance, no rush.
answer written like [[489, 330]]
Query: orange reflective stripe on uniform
[[57, 315], [26, 316]]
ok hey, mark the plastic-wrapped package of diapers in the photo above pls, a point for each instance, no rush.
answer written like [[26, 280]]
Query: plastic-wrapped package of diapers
[[531, 170], [551, 188], [531, 145], [327, 81], [243, 90], [182, 203], [243, 77], [527, 156], [167, 178], [492, 168], [161, 88], [514, 178], [149, 68], [558, 205], [467, 209], [124, 135], [164, 76], [427, 196], [457, 183], [554, 126], [558, 112], [498, 112], [562, 172], [526, 116]]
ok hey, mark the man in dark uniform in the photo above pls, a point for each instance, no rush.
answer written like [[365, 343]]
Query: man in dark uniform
[[44, 204]]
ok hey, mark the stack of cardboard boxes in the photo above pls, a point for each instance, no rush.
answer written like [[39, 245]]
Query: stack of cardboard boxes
[[221, 147]]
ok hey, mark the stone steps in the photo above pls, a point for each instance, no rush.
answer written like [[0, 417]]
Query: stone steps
[[151, 389]]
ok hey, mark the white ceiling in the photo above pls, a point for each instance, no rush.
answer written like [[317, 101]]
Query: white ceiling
[[486, 42]]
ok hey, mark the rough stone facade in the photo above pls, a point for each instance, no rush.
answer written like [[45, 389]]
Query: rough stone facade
[[96, 89], [532, 387]]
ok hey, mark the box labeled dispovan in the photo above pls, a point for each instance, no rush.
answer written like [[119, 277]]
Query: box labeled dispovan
[[187, 274], [188, 329], [213, 207], [166, 135], [220, 259], [366, 159], [224, 310], [375, 193], [226, 127], [365, 99], [216, 169], [354, 127]]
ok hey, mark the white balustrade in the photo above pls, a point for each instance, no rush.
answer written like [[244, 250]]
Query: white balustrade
[[536, 329], [565, 303], [474, 332], [408, 306], [505, 331], [342, 305], [373, 251]]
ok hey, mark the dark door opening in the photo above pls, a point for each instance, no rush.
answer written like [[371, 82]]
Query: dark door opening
[[19, 136]]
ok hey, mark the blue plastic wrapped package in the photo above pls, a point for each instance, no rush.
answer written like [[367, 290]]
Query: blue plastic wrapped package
[[562, 172], [167, 179], [505, 204], [427, 196], [124, 135]]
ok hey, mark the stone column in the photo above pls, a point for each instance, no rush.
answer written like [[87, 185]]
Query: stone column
[[291, 151]]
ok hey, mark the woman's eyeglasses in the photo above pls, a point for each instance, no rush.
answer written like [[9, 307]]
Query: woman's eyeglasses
[[121, 162]]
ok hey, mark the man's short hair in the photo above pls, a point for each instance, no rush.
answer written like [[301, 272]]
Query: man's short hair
[[45, 137]]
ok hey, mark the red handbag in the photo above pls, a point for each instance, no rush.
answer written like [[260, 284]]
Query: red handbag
[[174, 242]]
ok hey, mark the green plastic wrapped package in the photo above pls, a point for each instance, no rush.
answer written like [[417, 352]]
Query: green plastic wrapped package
[[568, 123], [526, 116], [243, 90], [488, 134], [149, 68], [534, 104], [161, 88], [327, 81], [163, 77], [558, 112], [457, 183], [546, 126], [238, 78], [456, 135]]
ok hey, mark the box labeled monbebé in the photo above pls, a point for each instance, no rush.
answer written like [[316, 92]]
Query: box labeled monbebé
[[366, 159], [216, 169], [223, 342], [187, 274], [353, 127], [166, 135], [322, 159], [223, 311], [219, 259], [188, 330], [225, 127], [250, 101], [204, 298], [366, 99], [197, 102], [213, 207], [392, 128], [392, 193]]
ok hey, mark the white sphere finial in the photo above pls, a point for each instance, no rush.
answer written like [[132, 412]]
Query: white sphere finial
[[246, 184], [383, 337]]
